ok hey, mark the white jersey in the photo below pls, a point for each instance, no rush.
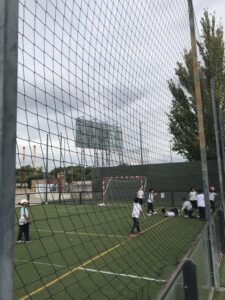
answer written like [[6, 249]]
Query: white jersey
[[22, 219], [186, 205], [150, 198], [200, 200], [140, 194], [192, 195], [137, 208], [212, 196]]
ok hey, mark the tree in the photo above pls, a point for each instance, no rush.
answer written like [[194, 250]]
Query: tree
[[183, 124], [72, 173], [26, 173]]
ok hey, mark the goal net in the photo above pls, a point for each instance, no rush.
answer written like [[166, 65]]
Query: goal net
[[122, 188]]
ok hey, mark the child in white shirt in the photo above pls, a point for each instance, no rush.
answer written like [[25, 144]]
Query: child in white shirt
[[137, 209], [24, 222], [150, 202], [212, 195]]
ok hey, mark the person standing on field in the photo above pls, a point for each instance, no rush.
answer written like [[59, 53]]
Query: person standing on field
[[193, 197], [24, 222], [150, 202], [141, 195], [212, 195], [137, 209], [201, 204]]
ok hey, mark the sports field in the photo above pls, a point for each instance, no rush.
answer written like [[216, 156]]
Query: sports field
[[84, 252]]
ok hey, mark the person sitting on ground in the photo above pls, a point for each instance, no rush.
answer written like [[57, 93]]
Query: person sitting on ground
[[186, 208], [173, 212]]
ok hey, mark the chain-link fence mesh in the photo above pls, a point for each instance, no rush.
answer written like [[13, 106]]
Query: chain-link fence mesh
[[95, 90]]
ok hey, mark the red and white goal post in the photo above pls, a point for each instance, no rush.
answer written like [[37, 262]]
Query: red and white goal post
[[123, 180]]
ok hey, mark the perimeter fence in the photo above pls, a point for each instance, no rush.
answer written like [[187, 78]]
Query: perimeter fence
[[88, 87]]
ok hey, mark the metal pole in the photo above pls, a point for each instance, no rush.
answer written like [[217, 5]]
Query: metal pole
[[23, 156], [212, 85], [60, 166], [190, 281], [8, 104], [34, 156], [221, 122], [199, 110], [141, 146], [171, 158], [209, 218], [46, 172]]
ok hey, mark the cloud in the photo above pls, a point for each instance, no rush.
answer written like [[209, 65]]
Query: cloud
[[110, 63]]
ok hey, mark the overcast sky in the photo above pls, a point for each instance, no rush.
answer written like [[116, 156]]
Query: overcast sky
[[217, 6], [109, 63]]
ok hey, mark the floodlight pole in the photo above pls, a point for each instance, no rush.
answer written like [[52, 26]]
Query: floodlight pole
[[215, 266], [141, 145], [46, 172], [171, 157], [60, 166], [8, 105], [221, 122]]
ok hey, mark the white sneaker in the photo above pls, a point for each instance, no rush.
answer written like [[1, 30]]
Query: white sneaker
[[148, 214], [19, 242], [155, 212], [186, 216]]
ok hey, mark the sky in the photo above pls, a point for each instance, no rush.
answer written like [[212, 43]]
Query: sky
[[76, 60], [217, 6]]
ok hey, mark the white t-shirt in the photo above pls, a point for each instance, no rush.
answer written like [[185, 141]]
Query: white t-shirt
[[200, 200], [192, 195], [140, 194], [150, 198], [137, 208], [170, 214], [187, 205], [22, 219], [212, 196]]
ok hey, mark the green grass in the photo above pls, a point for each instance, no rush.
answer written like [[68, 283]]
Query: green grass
[[68, 238]]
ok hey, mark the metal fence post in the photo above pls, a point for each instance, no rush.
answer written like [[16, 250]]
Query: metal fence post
[[80, 198], [190, 281], [8, 105], [212, 85], [203, 145]]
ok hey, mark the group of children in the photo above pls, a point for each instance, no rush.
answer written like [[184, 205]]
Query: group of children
[[194, 202], [197, 201]]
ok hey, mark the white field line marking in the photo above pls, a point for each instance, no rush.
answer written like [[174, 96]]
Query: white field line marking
[[80, 233], [41, 263], [93, 270], [123, 275], [91, 260]]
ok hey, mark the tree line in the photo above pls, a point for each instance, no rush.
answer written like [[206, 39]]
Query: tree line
[[71, 173]]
